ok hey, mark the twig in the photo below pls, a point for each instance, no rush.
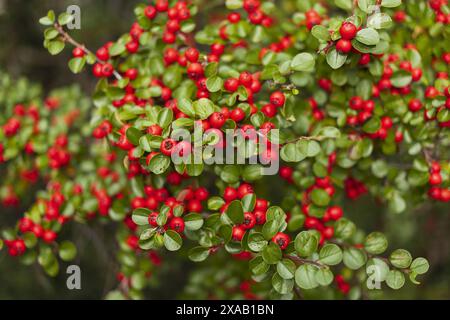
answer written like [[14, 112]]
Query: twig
[[67, 38]]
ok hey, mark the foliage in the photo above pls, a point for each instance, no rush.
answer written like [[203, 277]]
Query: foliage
[[361, 102]]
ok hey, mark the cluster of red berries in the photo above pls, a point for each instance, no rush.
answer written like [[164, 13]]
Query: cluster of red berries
[[246, 288], [312, 18], [176, 14], [435, 180], [342, 285], [442, 15], [347, 31], [102, 130], [332, 213], [392, 63], [354, 188], [16, 247], [27, 225], [58, 154]]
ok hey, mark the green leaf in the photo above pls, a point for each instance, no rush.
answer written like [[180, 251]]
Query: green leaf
[[290, 153], [303, 62], [305, 277], [159, 164], [140, 216], [234, 4], [172, 240], [354, 258], [401, 79], [215, 203], [306, 243], [330, 254], [270, 229], [49, 19], [248, 202], [344, 4], [64, 18], [377, 269], [203, 108], [67, 251], [395, 279], [324, 277], [256, 242], [320, 197], [420, 265], [376, 243], [55, 47], [235, 212], [193, 221], [198, 254], [133, 135], [165, 117], [286, 269], [258, 266], [271, 253], [76, 64], [321, 33], [379, 21], [400, 258], [368, 36], [330, 132], [391, 3], [335, 59], [214, 84], [373, 125], [282, 286]]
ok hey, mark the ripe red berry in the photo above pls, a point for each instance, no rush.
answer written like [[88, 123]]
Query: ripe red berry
[[277, 98], [230, 194], [167, 146], [348, 31], [102, 54], [244, 189], [192, 54], [282, 240], [150, 12], [78, 52], [414, 105], [237, 233], [335, 212], [245, 78], [231, 84], [249, 221], [217, 120], [435, 179], [237, 115], [177, 224], [344, 46], [155, 130]]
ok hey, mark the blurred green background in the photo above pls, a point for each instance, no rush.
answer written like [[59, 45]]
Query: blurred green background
[[423, 231]]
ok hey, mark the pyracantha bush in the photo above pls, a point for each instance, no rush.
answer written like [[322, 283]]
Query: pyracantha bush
[[354, 94]]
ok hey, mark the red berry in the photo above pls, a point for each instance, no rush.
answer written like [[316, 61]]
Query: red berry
[[414, 105], [192, 54], [237, 115], [282, 240], [348, 31], [167, 146], [237, 233], [230, 194], [177, 224], [249, 221], [277, 98], [217, 120], [344, 46]]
